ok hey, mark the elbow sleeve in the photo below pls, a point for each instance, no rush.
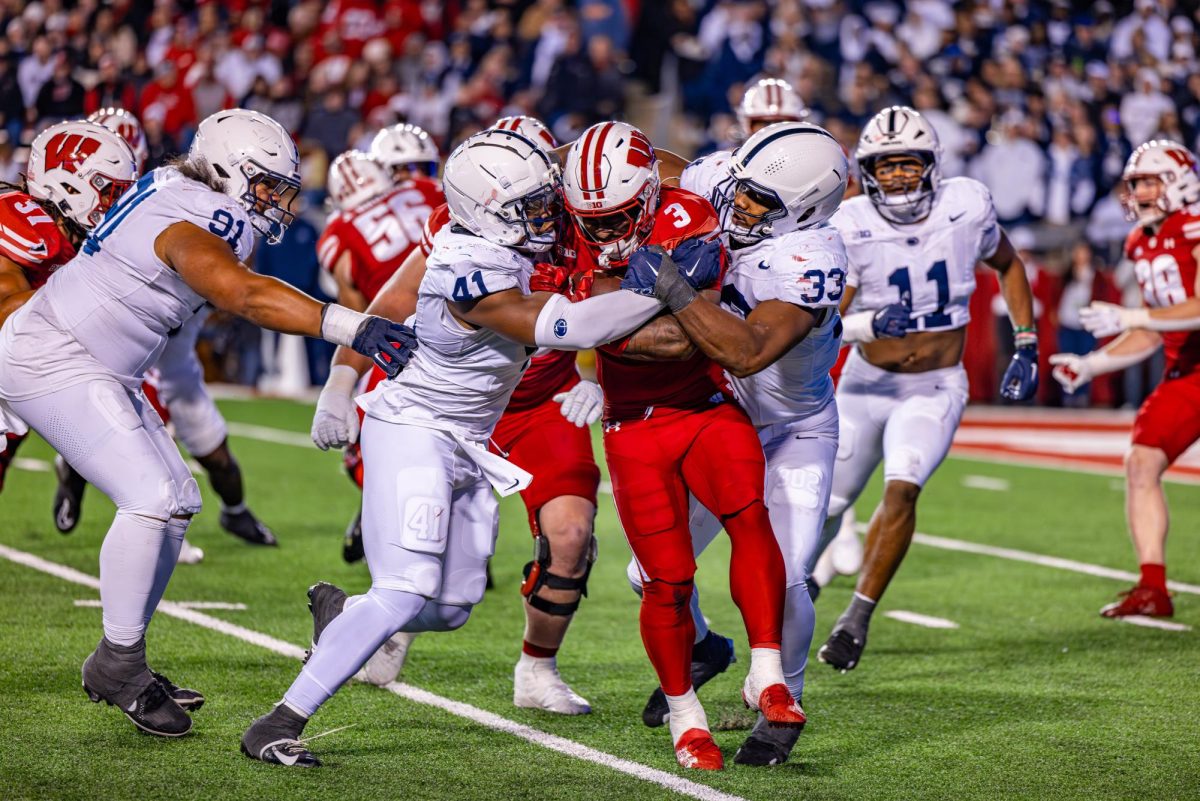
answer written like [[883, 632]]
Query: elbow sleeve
[[563, 325]]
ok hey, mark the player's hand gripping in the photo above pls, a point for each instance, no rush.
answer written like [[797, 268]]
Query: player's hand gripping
[[1021, 378], [891, 321], [1070, 370], [582, 404], [335, 423], [674, 279], [1108, 319], [389, 344]]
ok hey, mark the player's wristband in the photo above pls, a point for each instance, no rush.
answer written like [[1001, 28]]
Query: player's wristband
[[342, 380], [1025, 336], [339, 325], [857, 327]]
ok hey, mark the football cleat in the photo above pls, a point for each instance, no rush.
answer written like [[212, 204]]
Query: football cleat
[[711, 657], [68, 498], [1141, 600], [274, 738], [386, 663], [842, 650], [189, 700], [245, 526], [118, 676], [767, 745], [537, 685], [325, 601], [697, 750], [775, 703], [189, 554], [352, 544]]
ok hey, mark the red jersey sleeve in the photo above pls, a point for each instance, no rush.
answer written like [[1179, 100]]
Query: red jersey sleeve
[[436, 222], [30, 237], [332, 242]]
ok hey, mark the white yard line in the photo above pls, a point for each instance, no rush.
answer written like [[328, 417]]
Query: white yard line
[[986, 483], [267, 434], [1154, 623], [1061, 465], [32, 465], [920, 620], [490, 720], [95, 604]]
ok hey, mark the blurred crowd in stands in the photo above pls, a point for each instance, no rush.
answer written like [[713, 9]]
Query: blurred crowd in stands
[[1042, 101]]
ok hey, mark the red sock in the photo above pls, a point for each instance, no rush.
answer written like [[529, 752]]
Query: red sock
[[757, 578], [537, 651], [668, 632], [1154, 576]]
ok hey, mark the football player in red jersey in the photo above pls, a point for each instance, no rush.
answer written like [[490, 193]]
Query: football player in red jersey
[[670, 431], [76, 171], [544, 430], [374, 228], [1163, 196]]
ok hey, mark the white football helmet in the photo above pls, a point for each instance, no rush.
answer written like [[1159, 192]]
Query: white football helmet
[[611, 183], [122, 122], [403, 147], [531, 128], [504, 188], [795, 169], [900, 130], [769, 100], [80, 169], [1172, 164], [258, 162], [355, 178]]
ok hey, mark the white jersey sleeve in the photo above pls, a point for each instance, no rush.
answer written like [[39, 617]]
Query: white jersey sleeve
[[459, 376], [705, 175], [807, 268]]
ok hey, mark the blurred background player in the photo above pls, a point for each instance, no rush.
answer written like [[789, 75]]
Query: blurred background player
[[913, 240], [1162, 193], [767, 101], [406, 152], [669, 431], [378, 222], [76, 172], [176, 387]]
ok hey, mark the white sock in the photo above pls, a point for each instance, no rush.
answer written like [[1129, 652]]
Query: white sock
[[766, 668], [538, 661], [129, 561], [686, 713]]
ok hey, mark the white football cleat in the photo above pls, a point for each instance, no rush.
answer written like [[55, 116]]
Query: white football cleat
[[846, 550], [189, 554], [823, 572], [385, 664], [537, 685]]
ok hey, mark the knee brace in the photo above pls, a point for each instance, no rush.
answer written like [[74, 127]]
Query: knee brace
[[537, 575]]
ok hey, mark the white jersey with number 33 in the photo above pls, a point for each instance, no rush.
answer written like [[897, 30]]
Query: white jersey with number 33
[[110, 309], [458, 375], [930, 265]]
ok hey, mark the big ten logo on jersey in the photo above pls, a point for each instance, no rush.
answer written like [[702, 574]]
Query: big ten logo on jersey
[[1161, 280], [394, 224], [425, 525], [68, 150]]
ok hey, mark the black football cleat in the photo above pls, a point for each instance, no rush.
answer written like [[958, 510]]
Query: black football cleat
[[274, 738], [352, 543], [118, 676], [768, 745], [68, 497], [245, 526], [842, 650], [711, 657], [326, 602], [189, 700]]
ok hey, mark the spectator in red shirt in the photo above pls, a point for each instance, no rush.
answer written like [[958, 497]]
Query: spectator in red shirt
[[169, 100], [111, 90]]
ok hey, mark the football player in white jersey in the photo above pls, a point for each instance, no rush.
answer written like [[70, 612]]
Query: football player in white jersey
[[913, 239], [73, 358], [429, 514], [777, 333]]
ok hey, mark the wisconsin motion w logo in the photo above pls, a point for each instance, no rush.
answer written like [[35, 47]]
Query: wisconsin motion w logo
[[68, 150]]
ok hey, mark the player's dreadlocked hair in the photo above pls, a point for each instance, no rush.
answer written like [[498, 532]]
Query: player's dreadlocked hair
[[197, 169]]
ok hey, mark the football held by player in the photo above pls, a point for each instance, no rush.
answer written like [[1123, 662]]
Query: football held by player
[[913, 240], [73, 358], [1163, 196]]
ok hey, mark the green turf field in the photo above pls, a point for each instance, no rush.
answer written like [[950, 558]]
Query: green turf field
[[1034, 696]]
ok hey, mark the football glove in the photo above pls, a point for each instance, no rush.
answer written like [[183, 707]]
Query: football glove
[[548, 278], [891, 321], [390, 345], [1107, 319], [654, 273], [582, 404], [1071, 370], [1021, 378], [335, 423]]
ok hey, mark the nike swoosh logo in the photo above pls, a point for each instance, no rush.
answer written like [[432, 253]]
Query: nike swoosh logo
[[286, 759], [514, 484], [132, 707], [954, 217]]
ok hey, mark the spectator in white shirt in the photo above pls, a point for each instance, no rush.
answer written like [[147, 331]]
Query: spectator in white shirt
[[1014, 168], [1146, 20]]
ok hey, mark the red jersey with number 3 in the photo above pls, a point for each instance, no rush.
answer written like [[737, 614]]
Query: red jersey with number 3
[[549, 372], [1165, 265], [633, 386], [380, 234], [30, 237]]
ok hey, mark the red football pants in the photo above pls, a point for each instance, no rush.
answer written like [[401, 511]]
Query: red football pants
[[714, 454]]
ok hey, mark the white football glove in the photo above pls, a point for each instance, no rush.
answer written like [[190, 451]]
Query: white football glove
[[582, 404], [1071, 370], [1107, 319], [335, 423]]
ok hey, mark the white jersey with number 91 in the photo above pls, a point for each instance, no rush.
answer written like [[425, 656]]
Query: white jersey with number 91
[[928, 266]]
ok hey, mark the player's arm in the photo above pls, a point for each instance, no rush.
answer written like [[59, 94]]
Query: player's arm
[[1106, 319], [14, 288], [661, 339], [209, 266], [890, 322], [1014, 285], [347, 294], [670, 165], [744, 347], [1130, 348]]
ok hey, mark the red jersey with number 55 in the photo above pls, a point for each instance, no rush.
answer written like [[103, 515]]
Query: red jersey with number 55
[[633, 386], [1165, 265], [380, 234], [30, 237]]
